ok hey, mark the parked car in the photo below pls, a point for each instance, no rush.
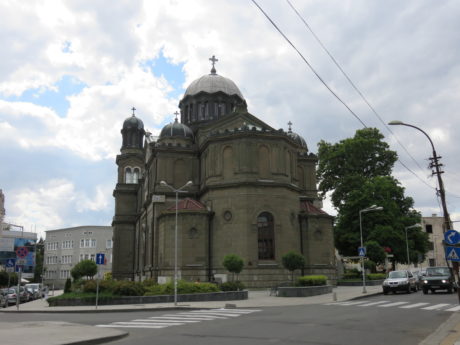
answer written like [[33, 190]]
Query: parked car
[[399, 281], [438, 278], [38, 287], [3, 298], [33, 293], [418, 279], [11, 296]]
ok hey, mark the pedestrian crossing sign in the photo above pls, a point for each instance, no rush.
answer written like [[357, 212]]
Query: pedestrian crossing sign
[[453, 253], [362, 251]]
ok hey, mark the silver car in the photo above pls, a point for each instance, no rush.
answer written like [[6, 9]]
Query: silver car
[[400, 281]]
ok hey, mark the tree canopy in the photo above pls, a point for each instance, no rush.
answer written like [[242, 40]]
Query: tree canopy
[[358, 173], [344, 166], [85, 268]]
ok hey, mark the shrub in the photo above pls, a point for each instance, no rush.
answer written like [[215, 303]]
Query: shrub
[[293, 261], [183, 287], [89, 286], [312, 280], [107, 276], [128, 288], [68, 286], [233, 263], [376, 276], [232, 286], [351, 274], [85, 268]]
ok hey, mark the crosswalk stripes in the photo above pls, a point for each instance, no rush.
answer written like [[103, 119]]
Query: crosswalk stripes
[[400, 304], [183, 318]]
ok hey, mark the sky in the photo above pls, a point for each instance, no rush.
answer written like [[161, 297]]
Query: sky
[[71, 71]]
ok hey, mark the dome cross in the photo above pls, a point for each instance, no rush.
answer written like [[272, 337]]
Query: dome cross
[[213, 61], [133, 109], [290, 124]]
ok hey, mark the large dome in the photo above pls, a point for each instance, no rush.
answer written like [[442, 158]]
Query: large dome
[[212, 83]]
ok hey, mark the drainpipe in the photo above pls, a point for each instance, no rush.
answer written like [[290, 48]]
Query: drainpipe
[[210, 218]]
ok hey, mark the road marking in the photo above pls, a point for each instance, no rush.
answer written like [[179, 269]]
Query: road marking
[[168, 320], [416, 305], [457, 308], [391, 304], [372, 303], [436, 306], [346, 303]]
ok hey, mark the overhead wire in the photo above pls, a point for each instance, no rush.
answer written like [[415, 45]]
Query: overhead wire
[[309, 65], [361, 95]]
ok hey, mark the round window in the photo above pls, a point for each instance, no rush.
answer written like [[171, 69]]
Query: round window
[[227, 216]]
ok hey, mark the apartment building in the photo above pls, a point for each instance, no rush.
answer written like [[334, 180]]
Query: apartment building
[[433, 226], [64, 248]]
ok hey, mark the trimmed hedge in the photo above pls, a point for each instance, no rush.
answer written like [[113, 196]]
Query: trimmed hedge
[[376, 276], [183, 287], [232, 286], [312, 280]]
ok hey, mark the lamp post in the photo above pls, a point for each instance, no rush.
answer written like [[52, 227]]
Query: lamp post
[[176, 191], [407, 242], [369, 209], [435, 164]]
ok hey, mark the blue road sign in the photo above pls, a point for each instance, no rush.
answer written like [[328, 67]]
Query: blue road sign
[[10, 262], [362, 251], [452, 237], [453, 253], [100, 258]]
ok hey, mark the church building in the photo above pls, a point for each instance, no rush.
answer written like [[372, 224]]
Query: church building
[[219, 181]]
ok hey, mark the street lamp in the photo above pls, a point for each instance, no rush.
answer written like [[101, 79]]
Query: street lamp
[[369, 209], [177, 191], [407, 242]]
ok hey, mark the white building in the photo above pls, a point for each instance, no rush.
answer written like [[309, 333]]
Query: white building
[[433, 226], [64, 248]]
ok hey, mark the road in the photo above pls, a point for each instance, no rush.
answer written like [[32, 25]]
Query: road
[[392, 319]]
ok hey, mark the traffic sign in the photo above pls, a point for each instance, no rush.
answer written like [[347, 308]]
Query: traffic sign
[[10, 263], [362, 251], [452, 237], [453, 253], [21, 252], [100, 258], [21, 262]]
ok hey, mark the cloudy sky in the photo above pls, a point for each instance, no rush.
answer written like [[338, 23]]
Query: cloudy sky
[[71, 71]]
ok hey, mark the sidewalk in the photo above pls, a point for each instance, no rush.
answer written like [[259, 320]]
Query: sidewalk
[[57, 333]]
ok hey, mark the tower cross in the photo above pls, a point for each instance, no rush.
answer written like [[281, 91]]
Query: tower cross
[[133, 109], [177, 114], [213, 61], [290, 124]]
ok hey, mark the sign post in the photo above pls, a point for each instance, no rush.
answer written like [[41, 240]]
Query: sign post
[[100, 259]]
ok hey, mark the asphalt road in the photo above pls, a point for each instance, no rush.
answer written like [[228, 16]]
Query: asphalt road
[[392, 319]]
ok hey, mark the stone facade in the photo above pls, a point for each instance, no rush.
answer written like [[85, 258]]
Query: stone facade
[[252, 193]]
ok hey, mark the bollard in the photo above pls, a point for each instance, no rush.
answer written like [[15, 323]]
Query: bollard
[[334, 296]]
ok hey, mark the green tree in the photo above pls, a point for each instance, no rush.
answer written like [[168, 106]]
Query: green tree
[[39, 255], [385, 227], [357, 172], [85, 268], [234, 264], [68, 286], [375, 252], [344, 166], [293, 261]]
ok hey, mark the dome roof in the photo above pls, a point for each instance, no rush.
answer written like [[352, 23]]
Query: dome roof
[[212, 83], [133, 122], [297, 138], [176, 129]]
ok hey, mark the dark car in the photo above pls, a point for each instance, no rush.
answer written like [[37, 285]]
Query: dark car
[[438, 278], [399, 281]]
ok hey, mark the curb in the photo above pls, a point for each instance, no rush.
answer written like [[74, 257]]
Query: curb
[[100, 340]]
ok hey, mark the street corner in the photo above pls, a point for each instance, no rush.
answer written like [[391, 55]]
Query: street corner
[[56, 333]]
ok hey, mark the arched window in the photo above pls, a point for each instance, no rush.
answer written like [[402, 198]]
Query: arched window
[[128, 175], [266, 236], [136, 174]]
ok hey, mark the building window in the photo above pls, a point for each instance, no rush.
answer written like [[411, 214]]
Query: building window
[[87, 242], [93, 243], [430, 246], [108, 244], [82, 243], [429, 228], [93, 257], [432, 262], [266, 236]]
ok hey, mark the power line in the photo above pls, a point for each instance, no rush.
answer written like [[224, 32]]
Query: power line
[[308, 64], [355, 88]]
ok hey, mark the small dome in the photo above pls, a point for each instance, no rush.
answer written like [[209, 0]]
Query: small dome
[[133, 122], [297, 138], [212, 83], [176, 129]]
